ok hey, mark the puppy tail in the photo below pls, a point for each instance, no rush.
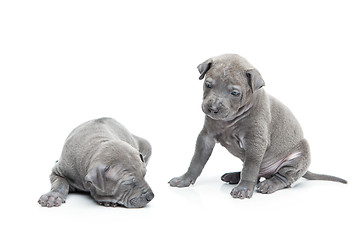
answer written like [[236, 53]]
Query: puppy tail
[[314, 176]]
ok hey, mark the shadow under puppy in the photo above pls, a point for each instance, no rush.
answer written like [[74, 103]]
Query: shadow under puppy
[[102, 157], [251, 125]]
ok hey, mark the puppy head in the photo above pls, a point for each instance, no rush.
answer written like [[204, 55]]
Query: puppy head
[[230, 81], [117, 177]]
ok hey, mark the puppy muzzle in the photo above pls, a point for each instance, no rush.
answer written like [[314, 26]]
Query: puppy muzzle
[[215, 111], [142, 201]]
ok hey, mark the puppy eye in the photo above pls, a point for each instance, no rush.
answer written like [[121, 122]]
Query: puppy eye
[[208, 85], [130, 182], [235, 93]]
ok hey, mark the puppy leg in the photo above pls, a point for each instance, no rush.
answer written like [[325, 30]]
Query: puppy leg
[[58, 193], [204, 146], [290, 172], [231, 177]]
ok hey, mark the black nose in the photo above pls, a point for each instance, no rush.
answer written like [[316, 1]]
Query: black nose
[[149, 196], [213, 109]]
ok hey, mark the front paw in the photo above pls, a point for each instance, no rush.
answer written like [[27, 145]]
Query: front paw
[[182, 181], [51, 199], [243, 190]]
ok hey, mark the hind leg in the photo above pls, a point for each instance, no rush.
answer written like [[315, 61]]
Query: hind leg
[[291, 171], [231, 177], [282, 179], [144, 148]]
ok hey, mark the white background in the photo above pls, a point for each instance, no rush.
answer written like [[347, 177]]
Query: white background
[[66, 62]]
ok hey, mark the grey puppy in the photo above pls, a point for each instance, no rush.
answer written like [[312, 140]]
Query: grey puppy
[[102, 157], [251, 125]]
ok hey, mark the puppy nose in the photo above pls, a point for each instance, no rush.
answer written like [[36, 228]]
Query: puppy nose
[[213, 109], [149, 196]]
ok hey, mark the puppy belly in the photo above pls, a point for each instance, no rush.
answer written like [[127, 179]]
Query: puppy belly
[[270, 167]]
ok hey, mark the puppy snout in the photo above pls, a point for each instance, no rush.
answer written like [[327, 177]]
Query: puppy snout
[[142, 200], [149, 196], [213, 109]]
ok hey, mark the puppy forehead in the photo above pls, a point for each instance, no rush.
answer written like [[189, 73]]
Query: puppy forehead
[[227, 74], [230, 64], [232, 60], [123, 173]]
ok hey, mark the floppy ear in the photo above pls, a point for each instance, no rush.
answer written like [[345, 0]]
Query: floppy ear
[[204, 67], [96, 176], [142, 157], [254, 79]]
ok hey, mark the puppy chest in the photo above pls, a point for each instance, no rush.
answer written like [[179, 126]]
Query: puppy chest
[[233, 144]]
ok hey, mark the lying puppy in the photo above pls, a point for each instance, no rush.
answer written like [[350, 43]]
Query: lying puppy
[[102, 157], [251, 125]]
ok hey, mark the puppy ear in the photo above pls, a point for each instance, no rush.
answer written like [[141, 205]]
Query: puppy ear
[[254, 79], [204, 67], [142, 157], [96, 176]]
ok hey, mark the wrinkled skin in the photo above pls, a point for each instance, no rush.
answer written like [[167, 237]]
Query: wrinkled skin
[[252, 126], [101, 157]]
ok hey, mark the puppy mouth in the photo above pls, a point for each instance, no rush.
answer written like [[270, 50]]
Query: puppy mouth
[[133, 203], [218, 115], [111, 204], [215, 116], [215, 112], [136, 202], [126, 199]]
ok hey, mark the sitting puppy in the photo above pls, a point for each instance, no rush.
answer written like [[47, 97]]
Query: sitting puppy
[[102, 157], [251, 125]]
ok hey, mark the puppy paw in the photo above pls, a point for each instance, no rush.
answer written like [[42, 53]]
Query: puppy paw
[[270, 185], [51, 199], [243, 190], [231, 178], [182, 181], [264, 187]]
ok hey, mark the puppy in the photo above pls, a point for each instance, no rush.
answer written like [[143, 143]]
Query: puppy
[[251, 125], [102, 157]]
